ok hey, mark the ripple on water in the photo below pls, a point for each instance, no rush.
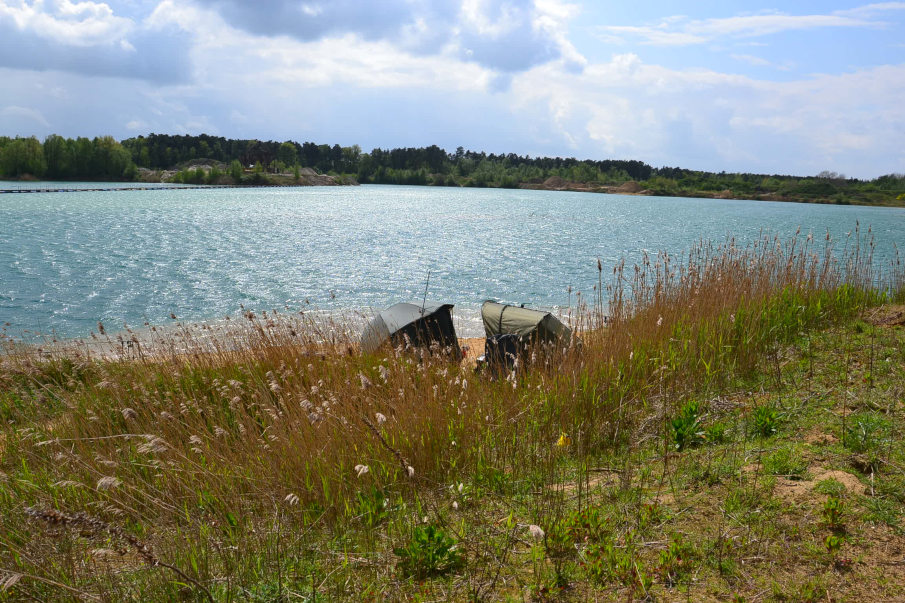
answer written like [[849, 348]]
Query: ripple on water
[[71, 259]]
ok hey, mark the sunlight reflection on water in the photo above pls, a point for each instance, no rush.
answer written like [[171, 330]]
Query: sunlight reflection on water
[[69, 260]]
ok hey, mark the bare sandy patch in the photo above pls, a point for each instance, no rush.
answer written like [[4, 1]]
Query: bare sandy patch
[[818, 437], [472, 347], [852, 484], [886, 316], [803, 490], [600, 478]]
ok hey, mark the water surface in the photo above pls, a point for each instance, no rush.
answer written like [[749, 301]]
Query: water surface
[[69, 260]]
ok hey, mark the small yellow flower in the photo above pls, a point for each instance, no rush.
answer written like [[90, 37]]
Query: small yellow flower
[[564, 440]]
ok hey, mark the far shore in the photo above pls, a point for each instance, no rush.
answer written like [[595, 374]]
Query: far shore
[[637, 189], [632, 188], [148, 179]]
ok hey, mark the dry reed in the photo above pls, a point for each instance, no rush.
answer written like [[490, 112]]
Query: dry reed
[[226, 440]]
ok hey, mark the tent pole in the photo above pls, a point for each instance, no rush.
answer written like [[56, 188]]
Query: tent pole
[[424, 301]]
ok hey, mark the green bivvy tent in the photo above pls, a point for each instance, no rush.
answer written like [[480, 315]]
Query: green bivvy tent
[[527, 324], [419, 325]]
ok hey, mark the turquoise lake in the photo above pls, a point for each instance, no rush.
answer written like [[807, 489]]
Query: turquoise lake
[[69, 260]]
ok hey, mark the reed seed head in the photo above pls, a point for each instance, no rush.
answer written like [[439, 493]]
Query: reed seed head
[[107, 483]]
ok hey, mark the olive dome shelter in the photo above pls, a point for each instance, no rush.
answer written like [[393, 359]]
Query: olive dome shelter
[[510, 330], [420, 325], [503, 319]]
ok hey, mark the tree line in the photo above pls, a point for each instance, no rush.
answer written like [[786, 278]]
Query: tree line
[[247, 161], [58, 158]]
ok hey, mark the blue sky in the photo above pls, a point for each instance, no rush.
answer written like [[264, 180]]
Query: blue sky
[[736, 86]]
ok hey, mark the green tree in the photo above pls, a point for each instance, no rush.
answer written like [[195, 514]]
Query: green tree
[[23, 156], [336, 157], [131, 172], [350, 159], [466, 166], [365, 168], [111, 159], [288, 154], [235, 171], [83, 158], [58, 155]]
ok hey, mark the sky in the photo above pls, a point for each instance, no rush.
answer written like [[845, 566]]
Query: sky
[[740, 86]]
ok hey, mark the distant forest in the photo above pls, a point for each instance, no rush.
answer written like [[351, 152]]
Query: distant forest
[[218, 160]]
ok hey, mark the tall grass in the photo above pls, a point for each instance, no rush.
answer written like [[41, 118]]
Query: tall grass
[[219, 453]]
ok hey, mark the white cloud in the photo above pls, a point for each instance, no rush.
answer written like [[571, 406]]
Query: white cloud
[[709, 120], [63, 21], [13, 114], [88, 38], [657, 35], [751, 60], [761, 25], [681, 31], [553, 17], [476, 15], [871, 10], [290, 65], [503, 35], [757, 61]]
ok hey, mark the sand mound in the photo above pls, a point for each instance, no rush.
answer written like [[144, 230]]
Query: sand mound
[[554, 182], [629, 187]]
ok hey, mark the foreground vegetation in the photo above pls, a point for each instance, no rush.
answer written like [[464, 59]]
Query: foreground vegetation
[[216, 160], [731, 434]]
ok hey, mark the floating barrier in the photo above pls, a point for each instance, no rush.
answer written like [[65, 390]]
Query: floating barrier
[[110, 189], [142, 188]]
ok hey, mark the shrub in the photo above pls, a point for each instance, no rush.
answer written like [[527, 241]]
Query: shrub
[[716, 433], [430, 552], [882, 510], [786, 462], [866, 432], [676, 561], [606, 563], [588, 524], [650, 515], [811, 591], [372, 507], [686, 428], [558, 541], [833, 510], [833, 543], [830, 487], [765, 421]]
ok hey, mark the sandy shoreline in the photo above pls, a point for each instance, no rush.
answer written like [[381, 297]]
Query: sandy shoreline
[[323, 333]]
